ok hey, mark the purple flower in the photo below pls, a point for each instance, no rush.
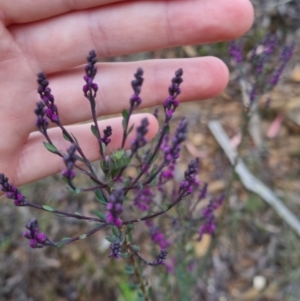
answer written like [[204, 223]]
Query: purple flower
[[140, 139], [136, 85], [143, 198], [259, 60], [115, 207], [285, 56], [36, 238], [90, 88], [260, 63], [70, 160], [236, 51], [172, 152], [170, 104], [107, 133], [174, 89], [48, 99], [277, 74], [41, 122], [157, 236], [115, 249], [12, 192], [270, 42], [186, 187], [203, 192], [213, 205], [168, 173], [161, 257], [209, 226], [287, 52], [165, 145], [159, 239]]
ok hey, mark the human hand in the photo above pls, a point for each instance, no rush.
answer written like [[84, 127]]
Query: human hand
[[56, 36]]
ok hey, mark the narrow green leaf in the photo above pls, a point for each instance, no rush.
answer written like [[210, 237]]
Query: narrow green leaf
[[130, 130], [130, 237], [167, 129], [122, 238], [125, 115], [153, 170], [124, 255], [127, 183], [94, 131], [166, 207], [65, 180], [83, 236], [134, 286], [59, 214], [50, 147], [80, 159], [148, 157], [150, 292], [145, 214], [129, 269], [59, 244], [77, 213], [115, 232], [65, 239], [100, 197], [63, 242], [153, 182], [103, 147], [48, 208], [135, 248], [140, 296], [155, 157], [100, 214], [66, 137], [111, 238], [130, 227], [103, 166], [70, 188], [77, 190]]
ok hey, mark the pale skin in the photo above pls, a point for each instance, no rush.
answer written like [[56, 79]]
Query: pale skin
[[55, 36]]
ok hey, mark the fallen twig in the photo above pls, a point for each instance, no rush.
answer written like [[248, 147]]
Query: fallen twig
[[250, 181]]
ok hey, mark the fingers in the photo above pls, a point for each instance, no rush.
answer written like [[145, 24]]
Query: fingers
[[62, 42], [203, 78], [23, 11], [36, 162]]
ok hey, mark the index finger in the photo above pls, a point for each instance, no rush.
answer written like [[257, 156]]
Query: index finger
[[24, 11], [61, 43]]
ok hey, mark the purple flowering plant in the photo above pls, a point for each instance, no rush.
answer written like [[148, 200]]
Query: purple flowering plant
[[263, 66], [124, 201]]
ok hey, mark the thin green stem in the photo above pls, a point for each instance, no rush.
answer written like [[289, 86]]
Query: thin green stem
[[136, 269]]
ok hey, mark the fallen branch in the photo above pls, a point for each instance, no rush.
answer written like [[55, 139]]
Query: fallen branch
[[249, 181]]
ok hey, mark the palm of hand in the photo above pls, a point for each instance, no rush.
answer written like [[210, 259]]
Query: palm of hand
[[58, 37]]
